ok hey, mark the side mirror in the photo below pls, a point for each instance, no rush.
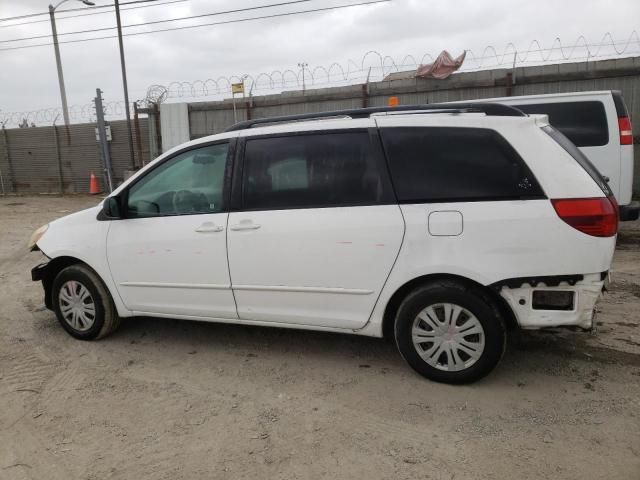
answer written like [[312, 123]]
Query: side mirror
[[111, 208]]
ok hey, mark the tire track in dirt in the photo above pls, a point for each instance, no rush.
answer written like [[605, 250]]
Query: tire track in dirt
[[57, 390], [26, 373]]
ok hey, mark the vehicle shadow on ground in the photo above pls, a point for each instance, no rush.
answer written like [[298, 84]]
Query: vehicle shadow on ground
[[527, 352], [240, 339]]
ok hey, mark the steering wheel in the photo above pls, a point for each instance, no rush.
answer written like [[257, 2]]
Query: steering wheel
[[182, 201]]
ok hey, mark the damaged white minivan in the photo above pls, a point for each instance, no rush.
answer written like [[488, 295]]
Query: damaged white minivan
[[438, 226]]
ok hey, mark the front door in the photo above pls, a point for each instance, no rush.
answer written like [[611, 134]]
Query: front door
[[168, 256], [317, 231]]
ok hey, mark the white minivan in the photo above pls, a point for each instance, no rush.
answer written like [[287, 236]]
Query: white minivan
[[439, 227], [598, 124]]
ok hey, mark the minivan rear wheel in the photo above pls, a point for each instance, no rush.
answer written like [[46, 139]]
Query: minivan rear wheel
[[449, 332], [83, 304]]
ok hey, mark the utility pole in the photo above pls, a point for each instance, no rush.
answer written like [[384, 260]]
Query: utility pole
[[303, 65], [132, 162], [56, 48], [104, 143]]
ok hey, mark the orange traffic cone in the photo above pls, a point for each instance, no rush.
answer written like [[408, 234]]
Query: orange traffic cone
[[94, 188]]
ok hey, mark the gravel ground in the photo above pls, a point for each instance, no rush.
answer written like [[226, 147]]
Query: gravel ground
[[165, 399]]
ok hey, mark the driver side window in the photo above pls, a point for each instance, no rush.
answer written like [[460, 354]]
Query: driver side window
[[190, 183]]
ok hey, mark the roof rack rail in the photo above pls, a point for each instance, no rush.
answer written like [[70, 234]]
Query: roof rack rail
[[492, 109]]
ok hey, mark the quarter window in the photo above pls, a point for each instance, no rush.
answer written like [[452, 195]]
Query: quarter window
[[190, 183], [440, 164], [312, 170], [584, 123], [579, 157]]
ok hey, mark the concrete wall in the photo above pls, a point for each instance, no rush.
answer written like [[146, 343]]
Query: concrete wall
[[29, 162], [206, 118]]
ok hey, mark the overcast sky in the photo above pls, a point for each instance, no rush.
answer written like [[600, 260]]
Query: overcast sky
[[396, 28]]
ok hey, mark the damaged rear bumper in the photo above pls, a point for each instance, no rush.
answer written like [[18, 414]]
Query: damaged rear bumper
[[554, 301]]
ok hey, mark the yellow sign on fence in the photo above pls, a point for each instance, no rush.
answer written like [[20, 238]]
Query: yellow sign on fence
[[237, 88]]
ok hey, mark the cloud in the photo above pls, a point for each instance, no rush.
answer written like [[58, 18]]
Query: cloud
[[28, 78]]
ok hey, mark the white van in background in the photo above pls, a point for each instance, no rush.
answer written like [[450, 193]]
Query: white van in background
[[598, 123]]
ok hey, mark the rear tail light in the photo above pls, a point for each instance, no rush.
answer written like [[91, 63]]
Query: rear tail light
[[597, 217], [626, 132]]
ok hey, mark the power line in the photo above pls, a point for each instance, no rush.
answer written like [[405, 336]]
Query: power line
[[30, 15], [337, 7], [259, 7], [58, 18]]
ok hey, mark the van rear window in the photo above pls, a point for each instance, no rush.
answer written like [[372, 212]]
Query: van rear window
[[584, 123]]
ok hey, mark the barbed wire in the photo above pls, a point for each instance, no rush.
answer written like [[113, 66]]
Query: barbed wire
[[566, 53], [46, 116], [373, 66]]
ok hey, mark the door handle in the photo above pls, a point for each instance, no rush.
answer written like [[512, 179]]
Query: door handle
[[245, 225], [209, 227]]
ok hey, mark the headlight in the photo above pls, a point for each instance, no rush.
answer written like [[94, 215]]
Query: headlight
[[36, 236]]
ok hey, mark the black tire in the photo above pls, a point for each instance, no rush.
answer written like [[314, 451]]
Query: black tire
[[105, 320], [475, 302]]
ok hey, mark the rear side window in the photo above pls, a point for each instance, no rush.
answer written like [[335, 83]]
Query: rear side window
[[440, 164], [579, 157], [312, 170], [584, 123]]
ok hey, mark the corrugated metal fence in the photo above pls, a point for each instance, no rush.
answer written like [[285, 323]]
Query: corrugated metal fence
[[60, 159]]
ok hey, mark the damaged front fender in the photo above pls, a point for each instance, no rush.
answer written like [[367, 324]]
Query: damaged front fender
[[43, 273]]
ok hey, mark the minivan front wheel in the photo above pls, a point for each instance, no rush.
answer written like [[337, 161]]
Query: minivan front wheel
[[449, 332], [82, 303]]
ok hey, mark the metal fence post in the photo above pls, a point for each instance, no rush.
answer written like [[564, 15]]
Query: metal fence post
[[153, 137], [136, 122], [1, 177], [7, 155], [104, 144], [2, 183], [58, 156]]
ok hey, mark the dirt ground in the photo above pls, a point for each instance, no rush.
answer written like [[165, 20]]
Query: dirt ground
[[164, 399]]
